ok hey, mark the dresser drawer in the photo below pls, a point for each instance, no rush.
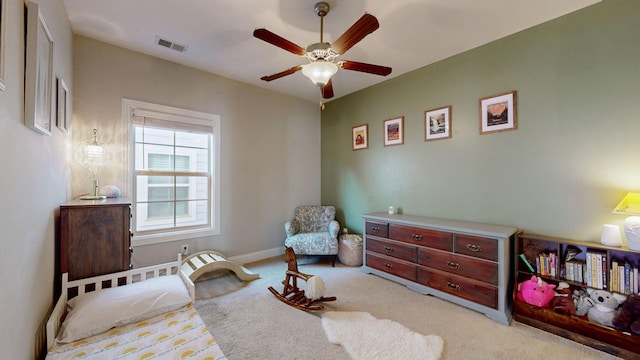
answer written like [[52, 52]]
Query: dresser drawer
[[424, 237], [468, 289], [481, 270], [394, 249], [480, 247], [392, 266], [377, 229]]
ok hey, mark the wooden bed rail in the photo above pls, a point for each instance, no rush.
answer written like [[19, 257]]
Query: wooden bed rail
[[97, 283]]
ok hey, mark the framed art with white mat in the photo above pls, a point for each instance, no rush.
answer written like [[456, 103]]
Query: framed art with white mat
[[437, 123], [498, 113]]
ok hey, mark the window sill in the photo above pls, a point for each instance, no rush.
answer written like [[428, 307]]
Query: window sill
[[151, 239]]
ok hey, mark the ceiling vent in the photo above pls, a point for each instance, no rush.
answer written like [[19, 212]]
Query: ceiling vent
[[171, 45]]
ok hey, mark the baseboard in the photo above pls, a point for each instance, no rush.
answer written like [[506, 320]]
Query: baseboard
[[257, 256]]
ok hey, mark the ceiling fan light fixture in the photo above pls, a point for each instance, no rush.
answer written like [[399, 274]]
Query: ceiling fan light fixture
[[319, 72]]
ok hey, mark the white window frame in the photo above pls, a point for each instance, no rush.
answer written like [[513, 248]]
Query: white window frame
[[163, 112]]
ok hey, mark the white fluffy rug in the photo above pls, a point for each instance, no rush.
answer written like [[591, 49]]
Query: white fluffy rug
[[367, 338]]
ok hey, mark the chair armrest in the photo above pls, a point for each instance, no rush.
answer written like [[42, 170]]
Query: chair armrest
[[334, 228], [291, 228]]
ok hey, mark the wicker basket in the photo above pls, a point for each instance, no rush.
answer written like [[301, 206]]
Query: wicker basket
[[350, 249]]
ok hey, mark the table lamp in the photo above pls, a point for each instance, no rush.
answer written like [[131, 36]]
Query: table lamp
[[90, 155], [630, 205]]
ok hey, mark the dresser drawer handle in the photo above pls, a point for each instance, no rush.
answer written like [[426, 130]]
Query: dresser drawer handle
[[388, 249], [453, 286], [375, 229], [416, 237], [453, 265], [388, 266], [474, 247]]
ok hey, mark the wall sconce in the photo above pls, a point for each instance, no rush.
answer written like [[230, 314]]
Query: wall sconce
[[630, 205], [90, 155]]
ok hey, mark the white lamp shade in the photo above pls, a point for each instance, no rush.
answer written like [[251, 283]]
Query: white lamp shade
[[632, 232], [320, 71]]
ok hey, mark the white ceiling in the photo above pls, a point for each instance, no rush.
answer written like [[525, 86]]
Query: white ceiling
[[218, 33]]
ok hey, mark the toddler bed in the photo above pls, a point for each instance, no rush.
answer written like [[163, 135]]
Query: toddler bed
[[144, 313]]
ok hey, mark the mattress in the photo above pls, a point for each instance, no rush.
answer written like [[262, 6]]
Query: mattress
[[179, 334]]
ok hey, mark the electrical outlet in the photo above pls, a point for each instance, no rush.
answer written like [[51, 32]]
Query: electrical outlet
[[185, 249]]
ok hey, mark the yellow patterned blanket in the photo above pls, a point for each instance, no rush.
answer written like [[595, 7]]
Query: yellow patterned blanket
[[178, 334]]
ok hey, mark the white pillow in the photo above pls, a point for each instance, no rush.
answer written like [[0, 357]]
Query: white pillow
[[95, 312]]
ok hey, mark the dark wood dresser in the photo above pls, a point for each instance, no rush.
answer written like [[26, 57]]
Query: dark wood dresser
[[467, 263], [95, 237]]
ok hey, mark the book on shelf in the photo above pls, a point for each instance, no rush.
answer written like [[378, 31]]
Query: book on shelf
[[547, 264], [573, 271], [624, 277], [597, 269]]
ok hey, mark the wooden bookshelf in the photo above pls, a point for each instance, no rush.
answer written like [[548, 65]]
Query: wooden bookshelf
[[576, 328]]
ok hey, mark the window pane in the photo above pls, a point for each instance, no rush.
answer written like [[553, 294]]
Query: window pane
[[197, 213], [193, 140], [151, 135], [161, 210], [151, 218], [182, 193], [164, 193]]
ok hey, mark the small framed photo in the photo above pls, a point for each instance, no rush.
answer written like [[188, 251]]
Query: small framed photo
[[498, 113], [63, 105], [437, 123], [360, 137], [394, 131]]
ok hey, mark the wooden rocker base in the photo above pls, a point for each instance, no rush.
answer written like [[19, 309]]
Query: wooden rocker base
[[206, 261], [299, 301], [291, 294]]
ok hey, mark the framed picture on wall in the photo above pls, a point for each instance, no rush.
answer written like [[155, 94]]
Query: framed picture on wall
[[3, 31], [498, 113], [394, 131], [437, 123], [63, 105], [360, 137], [38, 72]]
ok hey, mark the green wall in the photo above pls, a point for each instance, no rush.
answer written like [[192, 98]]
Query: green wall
[[575, 153]]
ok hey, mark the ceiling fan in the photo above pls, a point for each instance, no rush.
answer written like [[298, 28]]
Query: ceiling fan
[[322, 56]]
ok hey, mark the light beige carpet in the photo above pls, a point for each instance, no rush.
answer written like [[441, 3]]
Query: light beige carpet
[[250, 323]]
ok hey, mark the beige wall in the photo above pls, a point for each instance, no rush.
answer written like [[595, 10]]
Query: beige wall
[[270, 144], [34, 182]]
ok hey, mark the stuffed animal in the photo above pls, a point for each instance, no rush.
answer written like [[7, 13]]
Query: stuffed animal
[[605, 306], [628, 319], [535, 292], [562, 302], [582, 301]]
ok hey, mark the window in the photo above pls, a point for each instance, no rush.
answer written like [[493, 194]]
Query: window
[[174, 177]]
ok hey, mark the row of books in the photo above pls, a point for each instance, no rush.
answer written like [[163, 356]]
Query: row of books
[[595, 272], [623, 277]]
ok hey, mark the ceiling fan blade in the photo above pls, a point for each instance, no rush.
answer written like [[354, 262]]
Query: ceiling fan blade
[[327, 90], [273, 39], [363, 67], [361, 28], [281, 74]]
